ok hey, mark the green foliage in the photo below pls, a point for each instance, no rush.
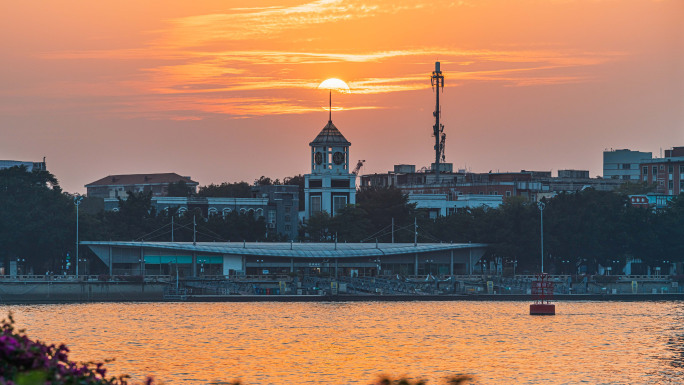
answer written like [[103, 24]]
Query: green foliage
[[226, 190], [383, 204], [634, 188], [266, 181], [179, 189], [37, 220], [372, 214]]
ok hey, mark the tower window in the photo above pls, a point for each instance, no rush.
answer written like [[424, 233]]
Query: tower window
[[315, 204], [315, 183], [339, 202]]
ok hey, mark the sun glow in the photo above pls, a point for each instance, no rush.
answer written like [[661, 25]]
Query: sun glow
[[334, 84]]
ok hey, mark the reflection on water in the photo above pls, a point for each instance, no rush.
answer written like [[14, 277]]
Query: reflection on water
[[675, 337], [344, 343]]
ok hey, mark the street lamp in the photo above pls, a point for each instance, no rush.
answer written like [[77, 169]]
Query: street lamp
[[515, 264], [77, 201], [542, 206], [428, 266], [565, 263]]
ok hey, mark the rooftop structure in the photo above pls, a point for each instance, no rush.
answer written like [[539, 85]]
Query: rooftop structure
[[531, 185], [30, 166], [117, 186], [623, 164]]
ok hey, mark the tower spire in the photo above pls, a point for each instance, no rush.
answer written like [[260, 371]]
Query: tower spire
[[330, 106]]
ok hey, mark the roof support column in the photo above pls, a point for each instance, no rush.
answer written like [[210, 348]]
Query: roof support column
[[142, 261], [415, 271], [110, 261], [194, 263], [336, 266], [291, 265], [451, 266]]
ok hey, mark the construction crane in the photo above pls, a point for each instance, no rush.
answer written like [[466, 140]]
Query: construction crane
[[437, 81], [359, 164]]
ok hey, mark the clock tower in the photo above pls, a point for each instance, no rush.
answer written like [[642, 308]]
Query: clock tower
[[330, 186]]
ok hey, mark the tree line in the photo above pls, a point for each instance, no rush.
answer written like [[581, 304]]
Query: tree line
[[586, 228]]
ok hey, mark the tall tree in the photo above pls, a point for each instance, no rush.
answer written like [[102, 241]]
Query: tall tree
[[179, 189], [226, 190], [37, 220]]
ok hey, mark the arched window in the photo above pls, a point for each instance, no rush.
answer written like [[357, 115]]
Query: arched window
[[260, 212], [212, 211], [226, 212]]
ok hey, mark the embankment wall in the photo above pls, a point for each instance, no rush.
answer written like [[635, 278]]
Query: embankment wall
[[52, 292]]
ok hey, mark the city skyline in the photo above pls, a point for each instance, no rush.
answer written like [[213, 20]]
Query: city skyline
[[220, 92]]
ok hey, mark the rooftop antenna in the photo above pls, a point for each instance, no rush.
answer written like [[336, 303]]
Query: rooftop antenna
[[437, 81]]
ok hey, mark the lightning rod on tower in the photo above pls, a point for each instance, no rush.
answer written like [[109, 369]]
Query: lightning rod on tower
[[437, 81]]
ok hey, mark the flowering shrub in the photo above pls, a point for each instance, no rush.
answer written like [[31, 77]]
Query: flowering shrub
[[27, 362]]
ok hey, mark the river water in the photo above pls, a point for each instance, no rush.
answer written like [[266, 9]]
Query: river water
[[353, 343]]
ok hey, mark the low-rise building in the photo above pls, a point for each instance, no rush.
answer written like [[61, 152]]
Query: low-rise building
[[498, 186], [118, 186], [442, 205], [623, 164], [277, 204], [30, 166], [667, 173], [282, 214]]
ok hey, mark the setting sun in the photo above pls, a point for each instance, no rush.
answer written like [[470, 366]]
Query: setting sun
[[334, 84]]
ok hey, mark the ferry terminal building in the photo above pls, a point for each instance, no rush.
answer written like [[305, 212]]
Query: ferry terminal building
[[205, 259]]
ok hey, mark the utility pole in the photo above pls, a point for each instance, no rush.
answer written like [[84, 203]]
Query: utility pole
[[415, 232], [194, 231], [542, 206], [393, 230], [77, 201], [172, 227]]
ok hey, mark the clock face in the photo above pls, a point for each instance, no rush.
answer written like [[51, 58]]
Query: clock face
[[338, 158], [318, 157]]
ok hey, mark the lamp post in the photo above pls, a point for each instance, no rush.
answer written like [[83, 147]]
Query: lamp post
[[470, 258], [542, 206], [77, 201], [428, 266]]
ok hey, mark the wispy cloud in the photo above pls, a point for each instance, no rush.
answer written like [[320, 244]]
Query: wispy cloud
[[250, 23], [217, 63]]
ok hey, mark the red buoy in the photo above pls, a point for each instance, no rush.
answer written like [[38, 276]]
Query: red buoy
[[542, 292]]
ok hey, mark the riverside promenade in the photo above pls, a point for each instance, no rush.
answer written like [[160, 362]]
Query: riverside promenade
[[283, 288]]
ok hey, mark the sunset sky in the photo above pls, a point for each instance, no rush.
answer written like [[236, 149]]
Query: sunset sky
[[227, 90]]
